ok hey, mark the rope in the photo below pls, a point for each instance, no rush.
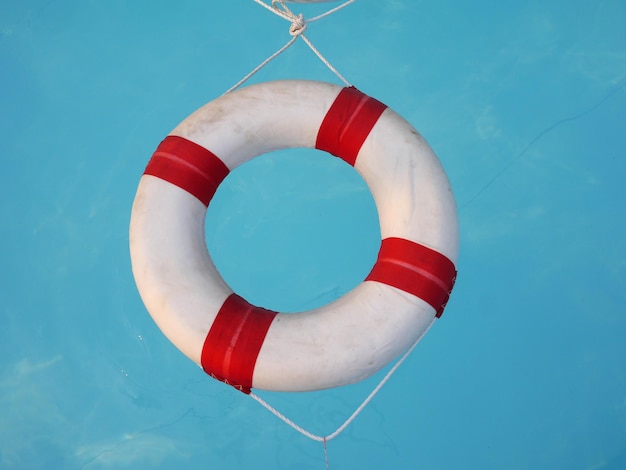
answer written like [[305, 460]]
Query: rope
[[340, 429], [296, 30], [326, 453], [323, 59], [261, 65], [331, 11]]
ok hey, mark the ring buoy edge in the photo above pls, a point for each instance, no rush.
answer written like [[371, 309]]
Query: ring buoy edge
[[340, 343]]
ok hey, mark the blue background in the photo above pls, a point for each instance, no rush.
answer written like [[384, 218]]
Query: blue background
[[525, 104]]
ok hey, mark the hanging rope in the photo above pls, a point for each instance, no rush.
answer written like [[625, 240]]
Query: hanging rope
[[296, 30], [340, 429]]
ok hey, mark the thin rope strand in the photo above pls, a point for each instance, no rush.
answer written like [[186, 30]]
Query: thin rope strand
[[331, 11], [326, 453], [326, 62], [262, 64], [278, 414], [274, 10]]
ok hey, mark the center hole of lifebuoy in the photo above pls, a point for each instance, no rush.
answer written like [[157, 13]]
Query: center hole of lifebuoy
[[293, 230]]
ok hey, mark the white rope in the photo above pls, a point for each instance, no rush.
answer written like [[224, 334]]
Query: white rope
[[356, 412], [331, 11], [261, 65], [296, 29], [281, 416], [323, 59]]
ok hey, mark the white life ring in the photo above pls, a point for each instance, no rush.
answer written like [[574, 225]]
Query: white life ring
[[342, 342]]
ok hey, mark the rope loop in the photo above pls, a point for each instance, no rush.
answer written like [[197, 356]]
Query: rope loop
[[324, 439]]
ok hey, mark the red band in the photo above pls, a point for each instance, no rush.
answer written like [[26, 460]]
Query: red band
[[189, 166], [415, 269], [347, 124], [233, 343]]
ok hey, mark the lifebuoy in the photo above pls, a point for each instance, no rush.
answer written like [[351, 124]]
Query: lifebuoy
[[344, 341]]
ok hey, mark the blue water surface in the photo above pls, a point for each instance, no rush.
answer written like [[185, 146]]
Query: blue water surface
[[525, 104]]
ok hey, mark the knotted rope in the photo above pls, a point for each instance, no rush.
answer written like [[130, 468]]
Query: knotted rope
[[296, 29]]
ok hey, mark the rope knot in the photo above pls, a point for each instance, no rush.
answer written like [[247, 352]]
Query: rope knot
[[296, 29], [298, 25]]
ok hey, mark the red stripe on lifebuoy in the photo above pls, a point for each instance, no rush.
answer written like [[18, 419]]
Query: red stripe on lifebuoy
[[233, 343], [347, 124], [415, 269], [189, 166]]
